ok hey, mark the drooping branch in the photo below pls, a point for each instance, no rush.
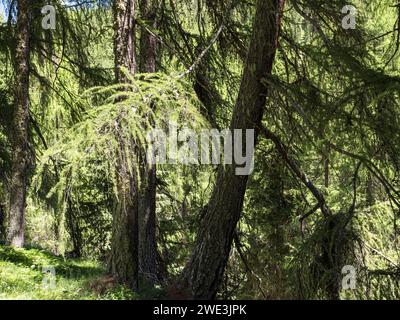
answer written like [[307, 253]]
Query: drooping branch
[[283, 150]]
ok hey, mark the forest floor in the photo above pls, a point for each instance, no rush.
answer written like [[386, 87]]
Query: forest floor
[[37, 274]]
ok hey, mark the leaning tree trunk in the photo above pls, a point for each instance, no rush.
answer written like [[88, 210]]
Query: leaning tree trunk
[[203, 274], [15, 236], [123, 262], [147, 205]]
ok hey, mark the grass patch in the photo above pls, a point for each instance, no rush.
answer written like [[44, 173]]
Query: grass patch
[[22, 277]]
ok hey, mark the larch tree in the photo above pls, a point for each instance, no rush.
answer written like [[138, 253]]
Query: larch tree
[[147, 205], [204, 272], [20, 147], [124, 258], [134, 244]]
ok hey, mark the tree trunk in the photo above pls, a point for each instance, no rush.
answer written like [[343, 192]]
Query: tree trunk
[[147, 208], [148, 42], [124, 38], [15, 236], [203, 274], [147, 205], [326, 173], [124, 244]]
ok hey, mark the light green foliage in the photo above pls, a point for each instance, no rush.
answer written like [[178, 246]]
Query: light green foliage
[[126, 114], [85, 156]]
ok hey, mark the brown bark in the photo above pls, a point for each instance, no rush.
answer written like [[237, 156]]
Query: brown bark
[[147, 206], [124, 38], [147, 225], [124, 259], [18, 186], [124, 243], [203, 274], [148, 42]]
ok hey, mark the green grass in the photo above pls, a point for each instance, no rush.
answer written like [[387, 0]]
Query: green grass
[[22, 277]]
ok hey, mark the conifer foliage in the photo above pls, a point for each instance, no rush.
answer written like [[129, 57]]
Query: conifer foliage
[[204, 149]]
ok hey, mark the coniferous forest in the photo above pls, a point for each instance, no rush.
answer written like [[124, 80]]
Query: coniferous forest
[[200, 149]]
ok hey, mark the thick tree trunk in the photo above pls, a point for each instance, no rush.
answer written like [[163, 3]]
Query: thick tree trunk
[[124, 259], [147, 225], [147, 206], [148, 42], [15, 236], [124, 38], [203, 274]]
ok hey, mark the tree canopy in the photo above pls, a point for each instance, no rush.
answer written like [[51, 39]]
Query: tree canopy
[[314, 83]]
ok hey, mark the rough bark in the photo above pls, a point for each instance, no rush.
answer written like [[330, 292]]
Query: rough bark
[[148, 42], [147, 206], [124, 38], [19, 171], [147, 225], [203, 274], [124, 262]]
